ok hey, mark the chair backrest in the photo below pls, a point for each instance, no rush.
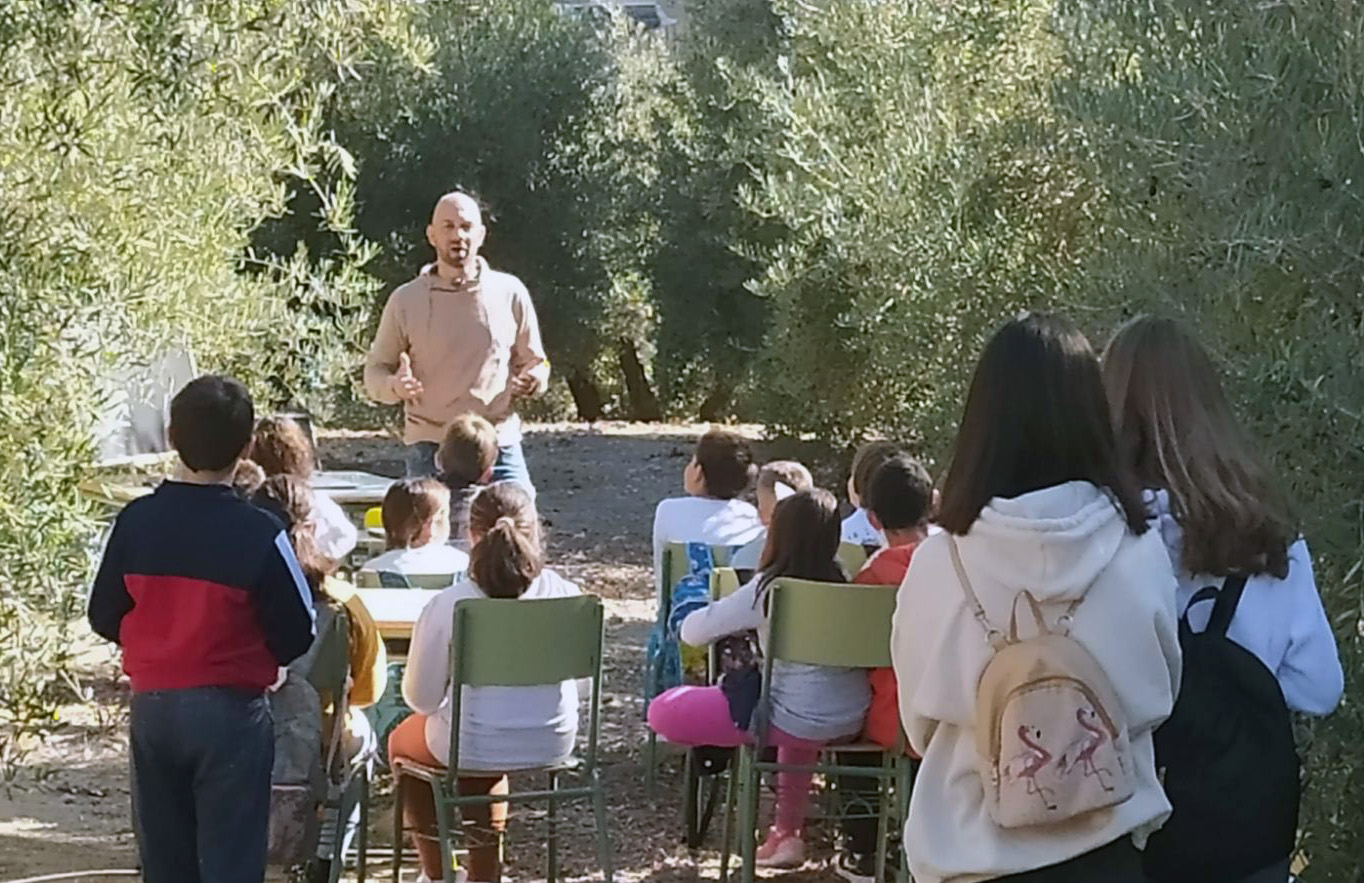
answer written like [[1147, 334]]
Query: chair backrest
[[499, 642], [724, 581], [328, 673], [839, 624], [387, 579], [513, 643], [852, 556]]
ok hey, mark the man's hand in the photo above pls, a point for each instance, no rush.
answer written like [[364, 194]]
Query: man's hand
[[523, 385], [406, 386]]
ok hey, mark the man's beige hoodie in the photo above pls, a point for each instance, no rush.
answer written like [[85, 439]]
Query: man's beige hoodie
[[465, 340], [1058, 542]]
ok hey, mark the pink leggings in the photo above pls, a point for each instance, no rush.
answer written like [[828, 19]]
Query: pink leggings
[[700, 716]]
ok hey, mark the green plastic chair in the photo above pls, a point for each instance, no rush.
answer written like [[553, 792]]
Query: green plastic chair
[[488, 649], [674, 568], [834, 624], [852, 556], [372, 579], [347, 779]]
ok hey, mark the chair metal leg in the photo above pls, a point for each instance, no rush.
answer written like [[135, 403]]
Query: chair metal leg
[[651, 765], [691, 800], [749, 787], [444, 812], [603, 833], [552, 873], [362, 835], [727, 831], [397, 827], [883, 816]]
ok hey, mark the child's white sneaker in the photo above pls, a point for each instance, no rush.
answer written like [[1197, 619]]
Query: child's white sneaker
[[781, 850]]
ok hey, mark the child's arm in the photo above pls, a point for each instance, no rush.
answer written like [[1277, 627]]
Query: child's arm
[[1310, 674], [733, 615], [283, 602], [109, 598]]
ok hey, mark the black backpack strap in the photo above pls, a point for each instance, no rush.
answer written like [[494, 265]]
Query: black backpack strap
[[1225, 608]]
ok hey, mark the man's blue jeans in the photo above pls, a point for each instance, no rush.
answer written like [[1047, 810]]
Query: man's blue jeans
[[201, 760], [509, 466]]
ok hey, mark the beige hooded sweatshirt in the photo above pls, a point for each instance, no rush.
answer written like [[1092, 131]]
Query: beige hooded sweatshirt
[[1058, 542]]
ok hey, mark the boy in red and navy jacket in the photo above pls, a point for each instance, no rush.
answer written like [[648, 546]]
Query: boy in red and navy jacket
[[204, 595]]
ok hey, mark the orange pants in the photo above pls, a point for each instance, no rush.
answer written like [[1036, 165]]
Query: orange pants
[[484, 824]]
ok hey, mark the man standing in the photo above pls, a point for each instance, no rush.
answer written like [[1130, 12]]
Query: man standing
[[460, 338]]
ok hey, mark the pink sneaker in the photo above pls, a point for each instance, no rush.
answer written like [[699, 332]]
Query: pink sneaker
[[781, 850]]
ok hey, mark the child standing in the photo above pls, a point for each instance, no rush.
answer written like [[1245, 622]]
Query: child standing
[[712, 513], [1222, 514], [776, 481], [417, 530], [857, 528], [204, 595], [464, 462], [502, 727], [1039, 514], [281, 447], [812, 705], [899, 500]]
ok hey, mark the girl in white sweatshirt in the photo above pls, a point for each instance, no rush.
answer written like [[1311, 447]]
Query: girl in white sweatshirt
[[1220, 512], [502, 728], [1036, 499]]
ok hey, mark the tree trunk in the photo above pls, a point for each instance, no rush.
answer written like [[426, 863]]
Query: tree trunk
[[585, 396], [713, 408], [643, 402]]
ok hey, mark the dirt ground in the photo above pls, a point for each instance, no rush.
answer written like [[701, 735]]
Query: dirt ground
[[67, 809]]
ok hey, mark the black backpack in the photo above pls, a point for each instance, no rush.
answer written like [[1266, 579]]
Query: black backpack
[[1227, 756]]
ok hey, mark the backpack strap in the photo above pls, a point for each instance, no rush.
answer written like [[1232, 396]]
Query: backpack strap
[[992, 634], [1225, 608]]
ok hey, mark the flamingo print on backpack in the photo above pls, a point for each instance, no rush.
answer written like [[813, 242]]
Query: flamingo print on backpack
[[1080, 753], [1029, 762]]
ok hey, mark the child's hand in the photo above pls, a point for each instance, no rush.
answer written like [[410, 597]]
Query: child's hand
[[279, 681]]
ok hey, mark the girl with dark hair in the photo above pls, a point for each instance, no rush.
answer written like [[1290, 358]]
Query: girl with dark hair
[[416, 514], [812, 705], [281, 447], [1036, 504], [1228, 528], [503, 728]]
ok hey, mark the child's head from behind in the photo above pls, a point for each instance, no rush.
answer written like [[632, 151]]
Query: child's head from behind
[[803, 538], [1176, 429], [777, 481], [290, 499], [505, 529], [416, 512], [281, 447], [899, 495], [210, 424], [721, 467], [467, 452], [1036, 416], [865, 461]]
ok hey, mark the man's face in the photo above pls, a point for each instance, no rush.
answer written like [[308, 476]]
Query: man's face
[[456, 230]]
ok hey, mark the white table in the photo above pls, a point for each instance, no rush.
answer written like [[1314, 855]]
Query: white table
[[395, 611], [349, 488]]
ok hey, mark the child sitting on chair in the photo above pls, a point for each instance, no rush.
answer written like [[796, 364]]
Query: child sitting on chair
[[416, 515], [503, 728], [464, 461], [811, 705], [857, 528], [776, 481], [281, 447], [712, 513]]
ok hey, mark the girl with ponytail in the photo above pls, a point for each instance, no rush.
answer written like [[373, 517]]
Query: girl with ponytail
[[502, 728]]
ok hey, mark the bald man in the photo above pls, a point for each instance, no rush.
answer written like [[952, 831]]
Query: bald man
[[460, 338]]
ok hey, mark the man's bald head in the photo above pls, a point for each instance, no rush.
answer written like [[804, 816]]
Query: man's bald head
[[456, 233]]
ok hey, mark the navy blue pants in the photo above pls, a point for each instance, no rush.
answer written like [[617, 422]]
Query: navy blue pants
[[201, 762]]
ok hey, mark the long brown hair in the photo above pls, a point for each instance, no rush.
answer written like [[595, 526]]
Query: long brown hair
[[281, 447], [802, 541], [1178, 432], [290, 499], [410, 505], [1036, 417], [506, 557]]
